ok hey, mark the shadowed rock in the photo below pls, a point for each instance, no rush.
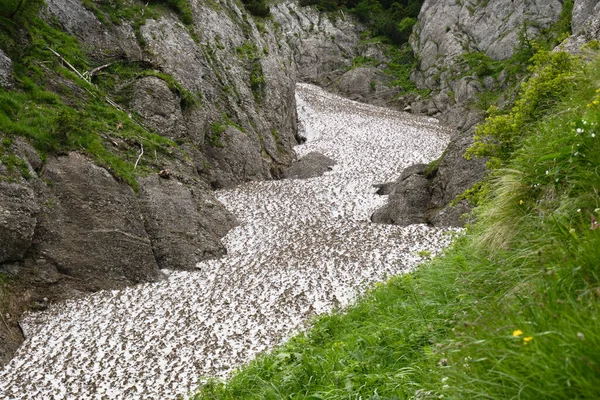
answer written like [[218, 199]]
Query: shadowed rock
[[18, 218], [408, 199], [90, 228], [423, 195], [185, 223]]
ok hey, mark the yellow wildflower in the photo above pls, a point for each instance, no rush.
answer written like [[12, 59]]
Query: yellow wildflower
[[521, 202], [527, 339], [518, 332]]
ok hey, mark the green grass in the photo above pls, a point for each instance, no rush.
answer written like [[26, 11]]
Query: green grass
[[511, 310], [73, 115]]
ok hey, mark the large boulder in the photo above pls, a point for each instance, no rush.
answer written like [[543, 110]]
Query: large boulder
[[91, 228], [185, 222], [311, 165], [426, 194], [408, 200]]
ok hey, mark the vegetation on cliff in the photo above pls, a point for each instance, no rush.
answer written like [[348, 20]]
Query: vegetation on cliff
[[60, 106], [392, 19], [511, 310]]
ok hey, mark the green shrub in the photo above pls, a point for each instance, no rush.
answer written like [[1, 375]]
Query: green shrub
[[502, 132]]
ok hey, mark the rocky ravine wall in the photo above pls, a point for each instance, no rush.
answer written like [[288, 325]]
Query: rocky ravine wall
[[446, 30], [72, 228]]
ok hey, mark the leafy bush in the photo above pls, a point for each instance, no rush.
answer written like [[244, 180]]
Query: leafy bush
[[552, 76]]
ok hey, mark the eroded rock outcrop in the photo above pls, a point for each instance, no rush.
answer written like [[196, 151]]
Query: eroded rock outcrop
[[447, 30], [5, 70], [184, 222], [585, 25], [90, 228]]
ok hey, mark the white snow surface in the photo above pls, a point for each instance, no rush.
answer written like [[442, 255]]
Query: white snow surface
[[303, 247]]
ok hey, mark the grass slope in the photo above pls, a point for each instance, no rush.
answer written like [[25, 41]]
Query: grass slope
[[511, 310]]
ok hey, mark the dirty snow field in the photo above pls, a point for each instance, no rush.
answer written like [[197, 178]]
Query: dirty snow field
[[303, 247]]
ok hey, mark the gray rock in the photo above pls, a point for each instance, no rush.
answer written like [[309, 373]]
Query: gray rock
[[451, 216], [321, 45], [239, 156], [90, 228], [185, 224], [422, 196], [356, 82], [24, 150], [106, 42], [18, 219], [311, 165], [447, 29], [5, 71], [583, 12], [407, 202], [456, 174], [159, 108], [585, 25]]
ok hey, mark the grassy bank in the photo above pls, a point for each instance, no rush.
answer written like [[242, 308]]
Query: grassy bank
[[512, 309]]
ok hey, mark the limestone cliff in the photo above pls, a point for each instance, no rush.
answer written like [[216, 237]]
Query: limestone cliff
[[446, 31]]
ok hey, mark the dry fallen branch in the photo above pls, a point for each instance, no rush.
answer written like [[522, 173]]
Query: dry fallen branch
[[139, 157], [98, 69], [68, 64]]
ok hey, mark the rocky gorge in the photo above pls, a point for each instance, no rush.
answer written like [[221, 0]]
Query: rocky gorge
[[220, 91]]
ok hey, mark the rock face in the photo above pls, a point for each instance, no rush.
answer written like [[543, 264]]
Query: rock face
[[159, 107], [105, 41], [239, 76], [184, 223], [584, 12], [18, 218], [91, 228], [5, 70], [322, 45], [585, 24], [447, 30]]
